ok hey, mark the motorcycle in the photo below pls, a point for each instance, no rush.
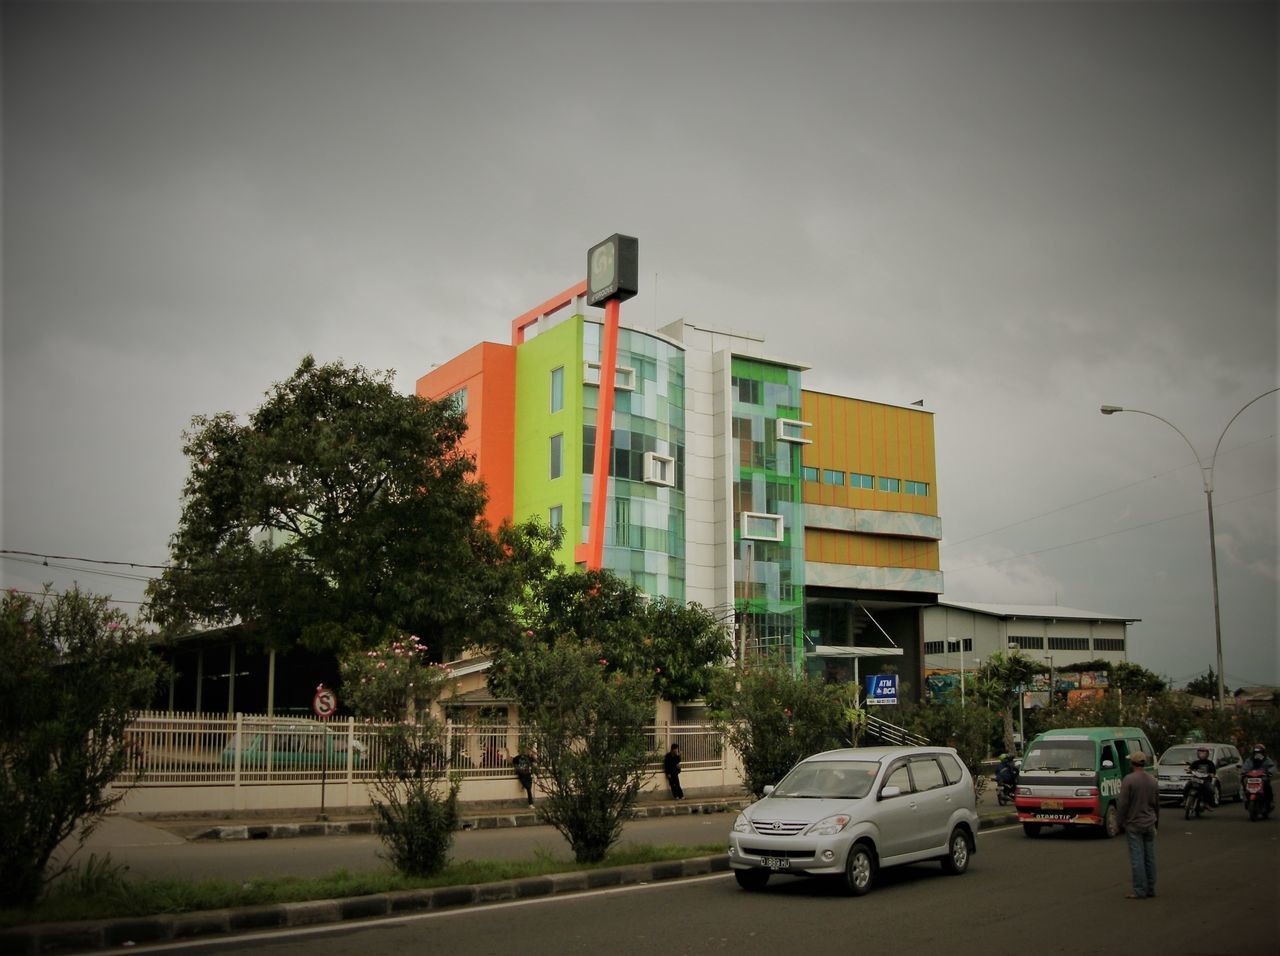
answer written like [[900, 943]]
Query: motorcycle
[[1195, 795], [1005, 789], [1257, 794]]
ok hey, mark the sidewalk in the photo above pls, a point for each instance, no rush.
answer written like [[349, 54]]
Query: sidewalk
[[128, 931]]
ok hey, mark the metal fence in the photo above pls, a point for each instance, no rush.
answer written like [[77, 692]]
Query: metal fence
[[172, 749]]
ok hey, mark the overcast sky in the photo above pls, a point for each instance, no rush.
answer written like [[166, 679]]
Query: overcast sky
[[1016, 212]]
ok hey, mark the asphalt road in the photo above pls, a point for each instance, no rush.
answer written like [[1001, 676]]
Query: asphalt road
[[1060, 893]]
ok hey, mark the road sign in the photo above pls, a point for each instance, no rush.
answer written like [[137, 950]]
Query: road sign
[[882, 689], [325, 703]]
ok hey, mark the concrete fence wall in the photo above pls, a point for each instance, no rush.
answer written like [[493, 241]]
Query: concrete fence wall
[[197, 763]]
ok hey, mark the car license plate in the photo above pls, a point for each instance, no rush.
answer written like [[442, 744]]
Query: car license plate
[[777, 863], [1050, 804]]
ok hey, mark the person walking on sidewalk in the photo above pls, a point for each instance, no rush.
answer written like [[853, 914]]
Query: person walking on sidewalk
[[1139, 806], [524, 773], [671, 767]]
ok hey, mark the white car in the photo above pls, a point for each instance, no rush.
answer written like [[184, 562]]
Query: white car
[[848, 813]]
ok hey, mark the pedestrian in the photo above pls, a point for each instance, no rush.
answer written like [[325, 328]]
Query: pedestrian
[[1139, 806], [524, 773], [671, 767]]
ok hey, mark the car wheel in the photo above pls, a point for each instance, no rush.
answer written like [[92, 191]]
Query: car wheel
[[1111, 822], [859, 870], [753, 879], [957, 859], [1031, 829]]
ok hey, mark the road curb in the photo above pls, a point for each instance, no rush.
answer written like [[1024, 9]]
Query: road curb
[[129, 931], [487, 821]]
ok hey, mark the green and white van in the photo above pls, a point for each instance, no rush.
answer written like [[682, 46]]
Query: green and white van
[[1071, 777]]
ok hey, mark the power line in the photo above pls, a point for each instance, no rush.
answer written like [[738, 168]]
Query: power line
[[1103, 494], [1099, 537], [110, 600], [71, 557]]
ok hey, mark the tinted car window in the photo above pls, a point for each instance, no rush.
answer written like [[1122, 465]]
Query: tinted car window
[[927, 774], [951, 767], [899, 777]]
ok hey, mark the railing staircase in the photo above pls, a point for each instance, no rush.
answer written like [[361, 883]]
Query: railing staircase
[[889, 733]]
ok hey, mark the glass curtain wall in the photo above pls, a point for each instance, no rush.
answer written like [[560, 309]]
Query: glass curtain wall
[[768, 525], [644, 526]]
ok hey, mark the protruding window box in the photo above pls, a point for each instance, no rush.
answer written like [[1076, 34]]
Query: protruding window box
[[659, 469], [789, 429], [755, 526]]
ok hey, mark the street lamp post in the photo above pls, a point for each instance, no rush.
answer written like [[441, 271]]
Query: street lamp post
[[1206, 475], [1022, 734]]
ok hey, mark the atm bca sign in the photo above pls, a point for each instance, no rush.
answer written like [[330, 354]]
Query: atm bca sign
[[882, 689]]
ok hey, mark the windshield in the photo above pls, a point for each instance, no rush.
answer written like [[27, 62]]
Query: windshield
[[1059, 754], [1179, 755], [829, 779]]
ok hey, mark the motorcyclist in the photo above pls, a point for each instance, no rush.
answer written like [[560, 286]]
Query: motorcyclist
[[1006, 773], [1258, 760], [1203, 764]]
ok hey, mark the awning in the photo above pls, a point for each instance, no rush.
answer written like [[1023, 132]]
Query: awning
[[837, 650]]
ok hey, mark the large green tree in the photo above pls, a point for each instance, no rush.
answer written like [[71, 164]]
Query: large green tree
[[586, 671], [73, 670], [341, 513], [775, 717]]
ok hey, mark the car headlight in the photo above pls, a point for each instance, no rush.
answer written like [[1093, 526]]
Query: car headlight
[[829, 825], [742, 824]]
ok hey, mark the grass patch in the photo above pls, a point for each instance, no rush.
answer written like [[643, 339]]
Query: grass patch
[[102, 890]]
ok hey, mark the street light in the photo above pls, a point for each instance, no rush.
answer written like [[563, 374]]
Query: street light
[[1206, 475]]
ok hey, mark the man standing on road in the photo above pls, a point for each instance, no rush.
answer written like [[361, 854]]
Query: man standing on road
[[1140, 817]]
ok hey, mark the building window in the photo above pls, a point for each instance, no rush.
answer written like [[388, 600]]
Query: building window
[[557, 455], [890, 484], [748, 390], [832, 477], [659, 469], [920, 488], [857, 480], [809, 474], [788, 429], [1068, 643], [1108, 643], [458, 399], [935, 647], [1027, 643], [555, 517], [624, 378], [955, 645], [622, 522], [557, 389], [761, 527]]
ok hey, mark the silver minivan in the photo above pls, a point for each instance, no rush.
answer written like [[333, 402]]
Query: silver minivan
[[1172, 772], [848, 813]]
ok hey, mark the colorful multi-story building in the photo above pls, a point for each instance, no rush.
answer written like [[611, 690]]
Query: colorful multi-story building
[[810, 520]]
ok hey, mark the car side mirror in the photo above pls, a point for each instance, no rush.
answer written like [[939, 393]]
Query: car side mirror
[[1107, 764], [887, 792], [768, 789]]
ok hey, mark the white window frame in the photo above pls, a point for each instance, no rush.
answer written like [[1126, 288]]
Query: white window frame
[[659, 470], [746, 518], [786, 430], [624, 376]]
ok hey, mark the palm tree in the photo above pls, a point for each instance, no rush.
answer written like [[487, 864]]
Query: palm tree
[[1000, 681]]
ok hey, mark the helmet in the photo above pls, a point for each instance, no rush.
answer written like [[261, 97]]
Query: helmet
[[1202, 751], [1259, 749], [1004, 757]]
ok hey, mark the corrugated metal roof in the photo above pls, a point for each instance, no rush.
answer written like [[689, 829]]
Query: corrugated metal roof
[[1038, 611]]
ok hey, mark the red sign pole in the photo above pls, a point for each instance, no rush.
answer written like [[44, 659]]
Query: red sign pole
[[604, 435]]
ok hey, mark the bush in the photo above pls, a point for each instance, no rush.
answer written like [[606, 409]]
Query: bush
[[415, 800], [775, 718], [73, 670]]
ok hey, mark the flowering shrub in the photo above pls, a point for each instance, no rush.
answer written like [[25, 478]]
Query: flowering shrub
[[393, 681], [414, 798]]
